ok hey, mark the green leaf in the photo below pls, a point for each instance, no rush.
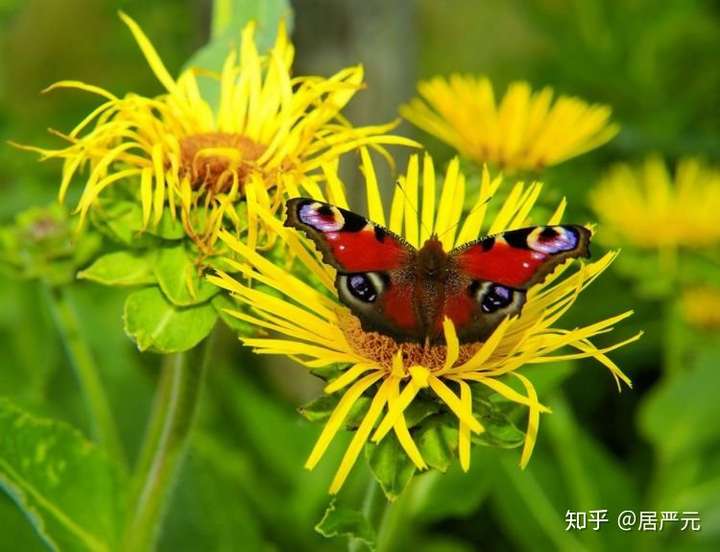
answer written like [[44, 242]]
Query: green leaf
[[234, 14], [229, 18], [68, 489], [41, 245], [437, 441], [168, 228], [121, 221], [499, 430], [420, 409], [157, 325], [179, 277], [390, 465], [340, 521], [122, 268], [321, 408]]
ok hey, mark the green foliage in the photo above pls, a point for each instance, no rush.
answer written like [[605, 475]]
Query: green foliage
[[122, 268], [42, 245], [499, 431], [345, 522], [179, 277], [69, 490], [390, 465], [157, 325], [437, 441], [229, 18]]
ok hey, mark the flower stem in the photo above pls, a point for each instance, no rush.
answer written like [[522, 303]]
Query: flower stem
[[673, 339], [164, 445], [103, 427], [373, 506], [395, 520]]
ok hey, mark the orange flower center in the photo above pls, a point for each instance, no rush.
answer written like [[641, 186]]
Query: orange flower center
[[215, 161], [382, 348]]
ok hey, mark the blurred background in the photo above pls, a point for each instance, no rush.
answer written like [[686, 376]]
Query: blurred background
[[656, 447]]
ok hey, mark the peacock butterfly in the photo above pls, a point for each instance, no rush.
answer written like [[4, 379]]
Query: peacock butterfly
[[405, 293]]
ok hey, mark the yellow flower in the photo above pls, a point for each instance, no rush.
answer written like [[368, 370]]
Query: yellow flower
[[648, 208], [701, 307], [316, 330], [525, 131], [185, 155]]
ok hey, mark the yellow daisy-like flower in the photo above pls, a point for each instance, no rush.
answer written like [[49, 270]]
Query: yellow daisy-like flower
[[526, 130], [318, 331], [648, 208], [185, 155], [701, 307]]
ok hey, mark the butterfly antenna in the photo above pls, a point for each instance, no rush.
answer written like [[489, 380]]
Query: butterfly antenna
[[478, 206], [412, 207]]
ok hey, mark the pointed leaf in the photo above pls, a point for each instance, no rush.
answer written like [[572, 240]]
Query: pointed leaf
[[390, 465], [499, 430], [179, 277], [156, 324], [122, 268], [437, 441]]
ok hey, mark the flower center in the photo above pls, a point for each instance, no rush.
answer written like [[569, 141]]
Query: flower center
[[215, 161], [382, 348]]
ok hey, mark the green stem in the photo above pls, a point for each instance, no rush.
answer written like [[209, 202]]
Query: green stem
[[672, 338], [372, 507], [540, 506], [102, 422], [395, 520], [164, 445]]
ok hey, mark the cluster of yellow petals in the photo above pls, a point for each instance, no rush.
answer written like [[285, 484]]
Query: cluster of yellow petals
[[525, 130], [269, 128], [647, 207], [309, 325]]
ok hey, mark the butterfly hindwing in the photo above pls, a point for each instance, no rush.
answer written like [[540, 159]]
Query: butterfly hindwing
[[373, 265]]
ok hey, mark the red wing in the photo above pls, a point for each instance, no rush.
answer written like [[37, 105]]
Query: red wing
[[383, 302], [347, 241], [523, 257]]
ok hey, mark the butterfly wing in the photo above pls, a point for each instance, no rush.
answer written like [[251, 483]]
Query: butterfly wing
[[496, 272], [374, 277]]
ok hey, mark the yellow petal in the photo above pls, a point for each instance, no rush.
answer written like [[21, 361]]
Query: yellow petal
[[360, 437], [150, 54], [338, 417]]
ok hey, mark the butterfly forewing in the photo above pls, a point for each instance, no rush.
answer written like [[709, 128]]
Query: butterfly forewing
[[374, 277]]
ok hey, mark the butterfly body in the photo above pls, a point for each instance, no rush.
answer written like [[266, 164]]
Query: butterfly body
[[406, 293]]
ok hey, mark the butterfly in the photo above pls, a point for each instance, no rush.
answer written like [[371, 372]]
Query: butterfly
[[403, 292]]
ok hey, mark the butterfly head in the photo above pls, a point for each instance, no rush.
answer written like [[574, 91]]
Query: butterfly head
[[433, 261]]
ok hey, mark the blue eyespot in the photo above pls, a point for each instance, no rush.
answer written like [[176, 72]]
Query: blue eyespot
[[362, 288], [321, 217], [554, 239], [495, 297]]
